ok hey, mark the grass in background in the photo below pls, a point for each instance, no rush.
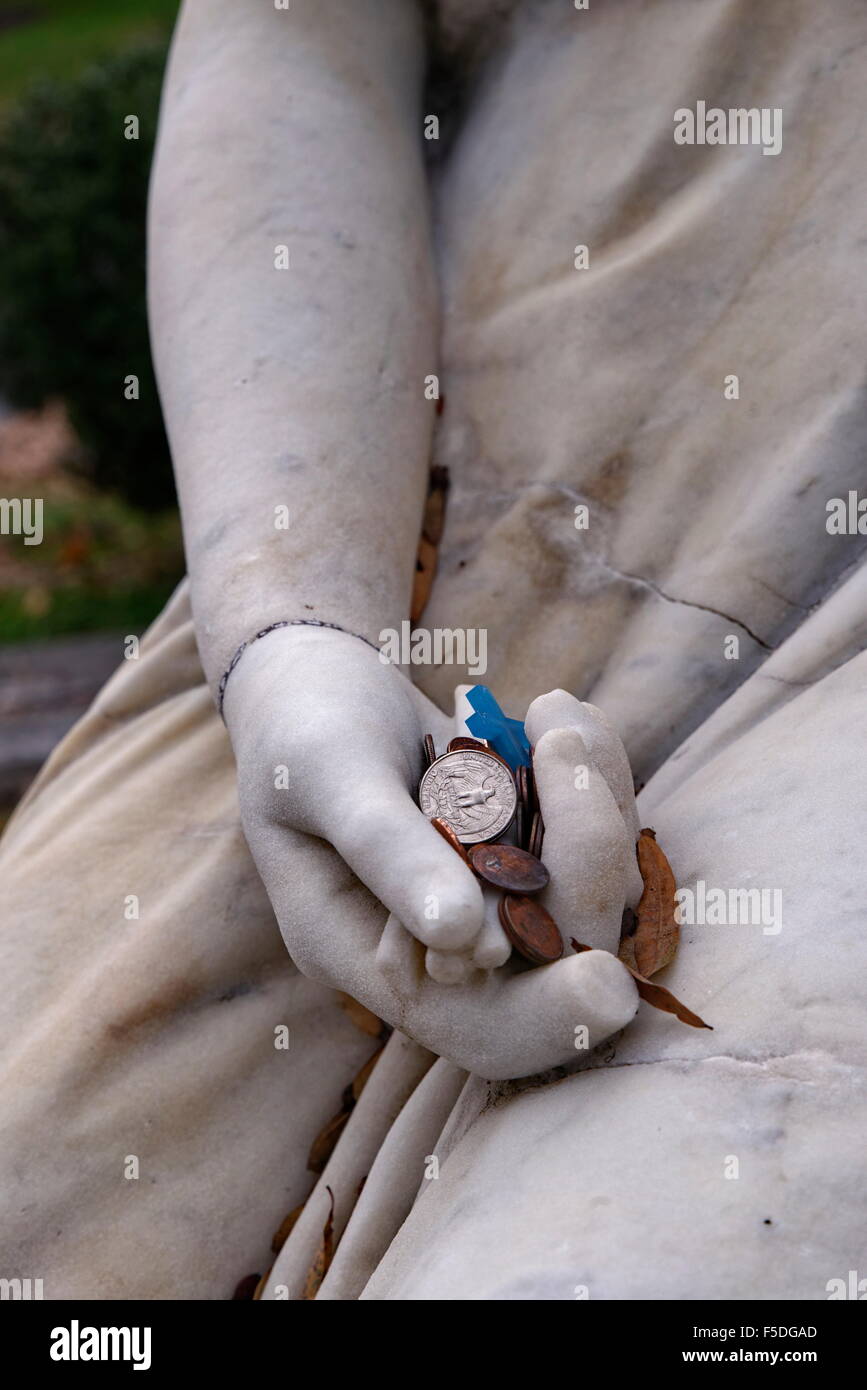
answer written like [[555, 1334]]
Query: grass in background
[[57, 38], [103, 566]]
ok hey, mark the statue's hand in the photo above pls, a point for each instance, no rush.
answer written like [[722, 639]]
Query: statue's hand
[[591, 823], [328, 743], [587, 800]]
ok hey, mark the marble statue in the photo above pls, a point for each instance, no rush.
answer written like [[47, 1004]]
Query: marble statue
[[643, 441]]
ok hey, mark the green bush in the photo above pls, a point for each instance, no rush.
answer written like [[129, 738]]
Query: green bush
[[73, 194]]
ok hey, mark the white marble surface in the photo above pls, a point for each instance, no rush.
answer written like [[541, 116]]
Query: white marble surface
[[615, 1179], [155, 1038]]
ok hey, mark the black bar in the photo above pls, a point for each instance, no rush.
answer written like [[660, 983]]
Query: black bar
[[246, 1339]]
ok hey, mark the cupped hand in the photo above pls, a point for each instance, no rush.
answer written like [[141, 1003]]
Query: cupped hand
[[372, 901], [328, 740]]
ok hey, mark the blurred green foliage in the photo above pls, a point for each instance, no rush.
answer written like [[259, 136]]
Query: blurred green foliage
[[57, 38], [102, 566], [73, 195], [129, 609]]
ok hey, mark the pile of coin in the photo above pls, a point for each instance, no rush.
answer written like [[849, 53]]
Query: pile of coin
[[529, 828], [472, 798]]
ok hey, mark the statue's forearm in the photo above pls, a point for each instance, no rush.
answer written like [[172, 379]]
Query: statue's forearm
[[298, 388]]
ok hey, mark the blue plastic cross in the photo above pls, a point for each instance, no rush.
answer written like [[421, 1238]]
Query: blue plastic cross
[[506, 736]]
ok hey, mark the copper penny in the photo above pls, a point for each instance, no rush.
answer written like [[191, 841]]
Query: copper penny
[[475, 745], [464, 742], [508, 867], [448, 834], [531, 930], [521, 782], [522, 817], [532, 798], [537, 832]]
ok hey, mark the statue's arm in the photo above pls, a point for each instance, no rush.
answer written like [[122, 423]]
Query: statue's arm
[[298, 388], [304, 388]]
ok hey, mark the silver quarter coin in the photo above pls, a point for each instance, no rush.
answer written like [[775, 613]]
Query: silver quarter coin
[[472, 791]]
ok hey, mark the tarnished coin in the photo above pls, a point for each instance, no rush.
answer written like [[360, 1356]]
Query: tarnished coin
[[531, 930], [449, 835], [508, 867], [523, 814], [472, 791], [532, 798], [523, 782], [537, 834], [430, 751], [463, 741]]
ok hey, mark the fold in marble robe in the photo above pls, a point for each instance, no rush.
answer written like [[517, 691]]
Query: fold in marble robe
[[706, 607]]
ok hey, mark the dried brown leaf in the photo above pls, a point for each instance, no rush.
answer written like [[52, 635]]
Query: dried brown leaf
[[361, 1017], [628, 928], [657, 995], [662, 998], [324, 1255], [324, 1144], [245, 1289], [425, 570], [626, 952], [361, 1080], [657, 934], [284, 1230], [434, 515]]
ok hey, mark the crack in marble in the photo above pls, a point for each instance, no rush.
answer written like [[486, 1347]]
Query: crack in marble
[[784, 598], [686, 603], [563, 490], [815, 1060], [781, 680], [503, 1091], [473, 494]]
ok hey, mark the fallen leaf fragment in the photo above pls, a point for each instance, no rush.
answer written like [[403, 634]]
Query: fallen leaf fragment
[[434, 515], [362, 1018], [657, 934], [662, 998], [324, 1256], [324, 1144], [284, 1230], [425, 572], [628, 928], [432, 525], [657, 995], [246, 1288], [363, 1076]]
